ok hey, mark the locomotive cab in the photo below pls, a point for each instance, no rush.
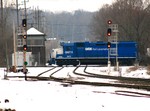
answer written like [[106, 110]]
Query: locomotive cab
[[53, 54], [69, 55]]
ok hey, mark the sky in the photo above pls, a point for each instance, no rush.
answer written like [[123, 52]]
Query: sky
[[68, 5]]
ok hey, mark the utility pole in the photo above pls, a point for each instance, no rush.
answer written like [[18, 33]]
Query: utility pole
[[17, 13], [14, 39], [24, 25], [38, 18], [2, 18], [2, 15], [38, 12], [3, 38]]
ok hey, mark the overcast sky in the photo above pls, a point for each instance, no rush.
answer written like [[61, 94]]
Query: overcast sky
[[68, 5]]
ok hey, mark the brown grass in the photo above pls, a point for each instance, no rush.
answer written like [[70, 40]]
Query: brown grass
[[134, 68], [148, 69]]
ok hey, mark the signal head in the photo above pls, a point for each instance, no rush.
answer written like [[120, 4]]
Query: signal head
[[25, 36], [109, 22], [109, 32], [24, 22], [25, 48], [109, 45]]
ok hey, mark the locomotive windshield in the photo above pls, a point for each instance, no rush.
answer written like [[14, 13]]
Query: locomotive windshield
[[68, 48]]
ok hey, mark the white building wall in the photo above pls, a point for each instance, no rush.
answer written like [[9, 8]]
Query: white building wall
[[19, 59]]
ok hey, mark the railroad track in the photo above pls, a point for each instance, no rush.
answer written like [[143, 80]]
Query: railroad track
[[49, 75], [128, 82], [46, 75], [137, 83]]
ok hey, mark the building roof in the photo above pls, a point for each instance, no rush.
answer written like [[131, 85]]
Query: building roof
[[33, 31]]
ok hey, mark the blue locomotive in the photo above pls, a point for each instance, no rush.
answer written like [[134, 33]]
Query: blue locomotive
[[93, 53]]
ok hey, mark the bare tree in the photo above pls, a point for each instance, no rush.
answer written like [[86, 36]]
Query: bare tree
[[5, 33], [100, 22], [133, 17]]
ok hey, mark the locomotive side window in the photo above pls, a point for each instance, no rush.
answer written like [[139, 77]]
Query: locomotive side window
[[100, 44], [68, 48], [80, 44]]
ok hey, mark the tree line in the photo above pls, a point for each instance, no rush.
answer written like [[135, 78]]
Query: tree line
[[6, 32], [132, 16], [69, 26], [64, 26]]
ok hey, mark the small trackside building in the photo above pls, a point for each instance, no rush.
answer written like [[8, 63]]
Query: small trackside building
[[35, 45]]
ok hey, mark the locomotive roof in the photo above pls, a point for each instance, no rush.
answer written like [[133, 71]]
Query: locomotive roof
[[98, 42]]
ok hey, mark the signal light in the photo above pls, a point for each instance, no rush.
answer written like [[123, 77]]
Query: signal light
[[109, 32], [108, 45], [25, 36], [109, 22], [24, 22], [25, 63], [25, 47]]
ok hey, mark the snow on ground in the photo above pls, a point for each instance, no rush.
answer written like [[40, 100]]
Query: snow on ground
[[53, 96], [124, 71]]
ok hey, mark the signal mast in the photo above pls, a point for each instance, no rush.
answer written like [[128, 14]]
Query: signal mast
[[112, 35]]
